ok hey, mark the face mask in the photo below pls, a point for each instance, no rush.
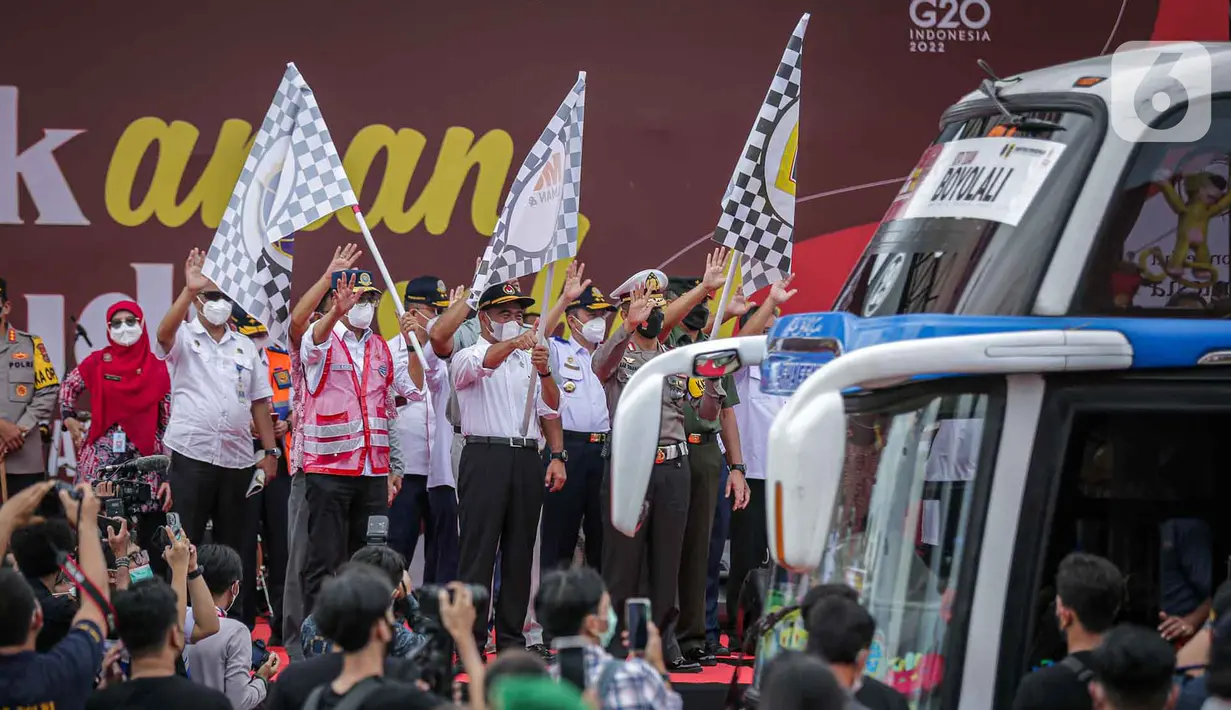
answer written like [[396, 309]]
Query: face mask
[[592, 331], [217, 312], [505, 331], [653, 325], [126, 335], [360, 315], [697, 318], [604, 639]]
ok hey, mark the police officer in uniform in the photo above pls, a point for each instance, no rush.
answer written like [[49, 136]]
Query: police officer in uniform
[[587, 424], [706, 461], [659, 541], [31, 393], [267, 510]]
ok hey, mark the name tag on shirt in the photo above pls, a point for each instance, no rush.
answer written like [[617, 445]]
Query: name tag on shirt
[[119, 442], [344, 366]]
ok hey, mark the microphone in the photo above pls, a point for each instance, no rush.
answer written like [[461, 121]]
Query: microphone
[[143, 464], [81, 331]]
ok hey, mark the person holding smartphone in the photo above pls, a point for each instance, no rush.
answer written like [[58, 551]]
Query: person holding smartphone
[[576, 611]]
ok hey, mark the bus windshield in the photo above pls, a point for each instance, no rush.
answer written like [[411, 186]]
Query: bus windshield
[[899, 530], [974, 226]]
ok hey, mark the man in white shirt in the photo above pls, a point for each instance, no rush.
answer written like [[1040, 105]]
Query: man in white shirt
[[586, 424], [219, 387], [428, 497], [754, 414], [351, 379], [500, 477]]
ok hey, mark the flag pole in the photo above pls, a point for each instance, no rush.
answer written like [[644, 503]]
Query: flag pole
[[392, 288], [726, 291], [549, 275]]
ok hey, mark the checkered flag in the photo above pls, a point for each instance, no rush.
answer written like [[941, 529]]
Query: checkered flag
[[758, 209], [292, 177], [539, 222]]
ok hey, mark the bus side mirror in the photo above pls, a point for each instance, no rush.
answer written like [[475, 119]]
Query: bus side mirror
[[803, 477]]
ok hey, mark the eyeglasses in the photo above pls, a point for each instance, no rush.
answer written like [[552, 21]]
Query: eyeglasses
[[131, 320]]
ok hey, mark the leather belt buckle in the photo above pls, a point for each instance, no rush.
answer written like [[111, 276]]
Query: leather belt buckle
[[661, 456], [694, 438]]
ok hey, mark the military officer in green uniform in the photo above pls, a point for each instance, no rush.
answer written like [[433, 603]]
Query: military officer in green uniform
[[705, 459], [31, 391]]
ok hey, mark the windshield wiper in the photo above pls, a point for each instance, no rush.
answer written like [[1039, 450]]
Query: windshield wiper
[[990, 88]]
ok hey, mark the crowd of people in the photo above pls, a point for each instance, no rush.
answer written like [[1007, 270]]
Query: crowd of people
[[468, 429]]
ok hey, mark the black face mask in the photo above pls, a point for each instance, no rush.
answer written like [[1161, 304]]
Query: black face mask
[[401, 608], [653, 325], [697, 317]]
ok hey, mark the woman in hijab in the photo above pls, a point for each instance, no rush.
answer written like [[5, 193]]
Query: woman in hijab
[[130, 403]]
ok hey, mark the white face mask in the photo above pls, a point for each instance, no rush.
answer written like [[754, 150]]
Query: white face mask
[[217, 312], [126, 334], [360, 315], [505, 331], [593, 331]]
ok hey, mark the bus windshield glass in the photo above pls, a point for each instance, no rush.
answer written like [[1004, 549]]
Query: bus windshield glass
[[899, 529], [975, 223]]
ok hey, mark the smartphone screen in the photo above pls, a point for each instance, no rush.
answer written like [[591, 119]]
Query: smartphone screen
[[105, 522], [636, 618], [173, 522]]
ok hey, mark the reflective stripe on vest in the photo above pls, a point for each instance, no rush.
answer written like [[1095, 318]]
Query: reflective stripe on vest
[[341, 430]]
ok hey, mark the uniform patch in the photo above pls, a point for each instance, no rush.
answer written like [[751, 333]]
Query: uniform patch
[[22, 390], [282, 378], [44, 371], [383, 370], [570, 386], [696, 387], [106, 357], [21, 356], [113, 378]]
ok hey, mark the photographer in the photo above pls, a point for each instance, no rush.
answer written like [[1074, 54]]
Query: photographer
[[36, 550], [354, 611], [150, 629], [575, 603], [391, 562], [64, 676], [224, 660]]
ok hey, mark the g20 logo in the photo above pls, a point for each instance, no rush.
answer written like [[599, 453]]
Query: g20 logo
[[950, 14]]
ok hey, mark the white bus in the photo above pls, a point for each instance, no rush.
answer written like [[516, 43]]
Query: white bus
[[1026, 361]]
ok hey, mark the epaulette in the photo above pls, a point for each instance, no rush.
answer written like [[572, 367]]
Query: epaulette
[[278, 349], [558, 339]]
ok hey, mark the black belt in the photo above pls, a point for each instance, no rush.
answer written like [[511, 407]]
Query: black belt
[[669, 452], [705, 438], [586, 437], [516, 442]]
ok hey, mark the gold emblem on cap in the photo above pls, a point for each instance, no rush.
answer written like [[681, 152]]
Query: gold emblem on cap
[[365, 279], [508, 288], [652, 284], [440, 287]]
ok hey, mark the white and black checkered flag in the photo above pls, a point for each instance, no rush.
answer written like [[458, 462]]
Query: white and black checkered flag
[[539, 222], [292, 177], [758, 209]]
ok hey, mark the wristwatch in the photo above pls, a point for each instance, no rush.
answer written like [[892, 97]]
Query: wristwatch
[[275, 452], [545, 374], [559, 456], [738, 467], [193, 574]]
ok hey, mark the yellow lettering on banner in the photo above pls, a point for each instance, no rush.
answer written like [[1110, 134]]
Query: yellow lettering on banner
[[176, 142], [459, 154], [488, 158]]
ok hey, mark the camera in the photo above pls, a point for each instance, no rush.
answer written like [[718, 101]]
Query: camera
[[436, 656], [50, 506], [378, 530]]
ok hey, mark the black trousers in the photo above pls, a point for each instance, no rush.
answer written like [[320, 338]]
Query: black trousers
[[267, 517], [202, 492], [500, 494], [18, 482], [705, 462], [579, 500], [432, 511], [338, 511], [655, 548], [749, 545]]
